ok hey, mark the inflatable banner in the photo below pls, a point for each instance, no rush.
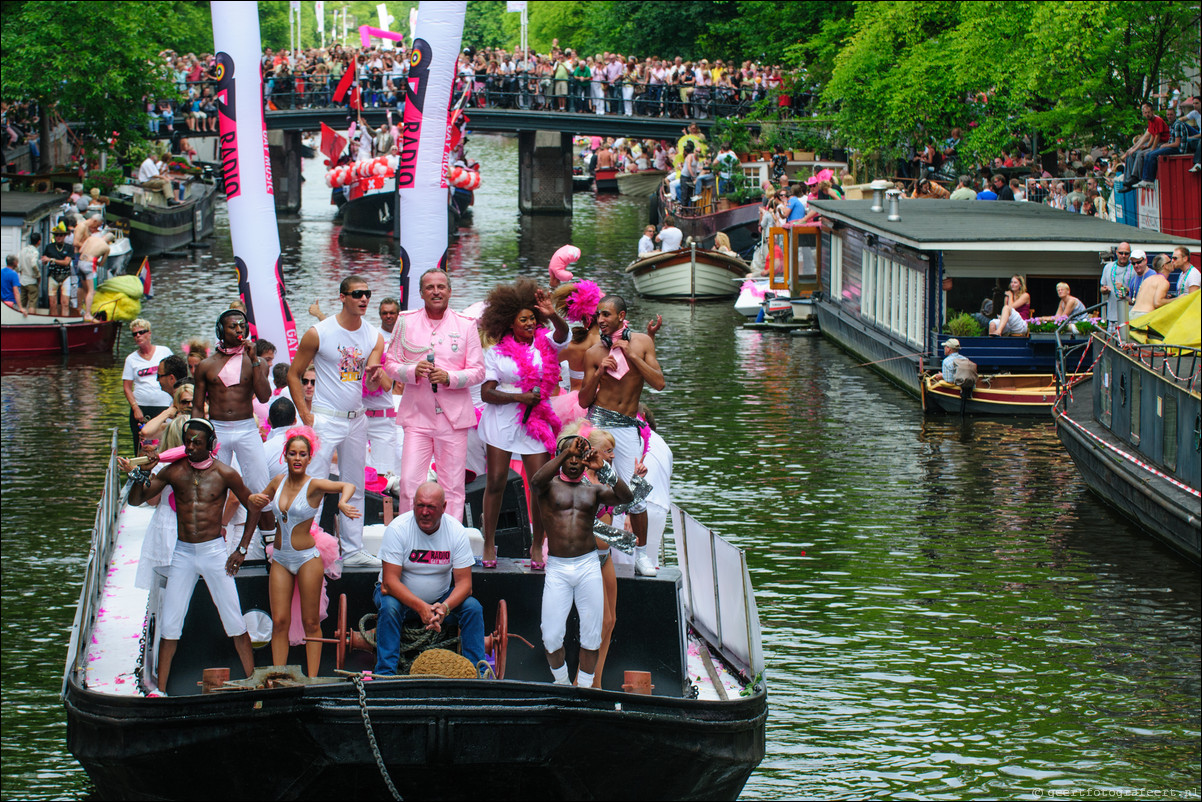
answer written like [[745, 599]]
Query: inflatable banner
[[246, 169], [425, 143]]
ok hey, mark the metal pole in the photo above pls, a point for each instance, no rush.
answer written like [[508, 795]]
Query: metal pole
[[692, 271]]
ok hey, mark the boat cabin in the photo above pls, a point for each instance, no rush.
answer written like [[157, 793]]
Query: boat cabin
[[891, 279]]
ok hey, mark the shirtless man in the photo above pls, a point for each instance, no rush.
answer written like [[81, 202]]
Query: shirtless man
[[568, 508], [93, 254], [615, 370], [200, 484], [227, 380], [1154, 291]]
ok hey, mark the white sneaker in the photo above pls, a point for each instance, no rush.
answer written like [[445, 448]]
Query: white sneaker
[[644, 567], [361, 559], [1195, 168]]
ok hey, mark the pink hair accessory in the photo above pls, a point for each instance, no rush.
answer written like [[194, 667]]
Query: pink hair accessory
[[583, 302], [560, 261], [308, 434], [586, 429]]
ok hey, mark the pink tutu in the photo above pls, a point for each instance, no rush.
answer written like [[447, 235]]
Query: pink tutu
[[567, 407]]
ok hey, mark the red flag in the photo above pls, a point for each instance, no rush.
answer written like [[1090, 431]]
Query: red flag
[[331, 143], [354, 101], [144, 274], [344, 84]]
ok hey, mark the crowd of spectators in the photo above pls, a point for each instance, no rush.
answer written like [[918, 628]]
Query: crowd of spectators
[[563, 80]]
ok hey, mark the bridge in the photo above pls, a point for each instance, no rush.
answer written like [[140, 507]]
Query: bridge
[[545, 139]]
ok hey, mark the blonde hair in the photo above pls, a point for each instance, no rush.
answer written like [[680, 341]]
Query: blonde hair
[[1060, 284], [597, 438], [139, 323], [721, 240]]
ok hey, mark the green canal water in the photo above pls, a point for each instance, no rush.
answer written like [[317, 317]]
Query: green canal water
[[947, 612]]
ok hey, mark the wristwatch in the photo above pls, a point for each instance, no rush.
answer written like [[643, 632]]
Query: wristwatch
[[242, 550]]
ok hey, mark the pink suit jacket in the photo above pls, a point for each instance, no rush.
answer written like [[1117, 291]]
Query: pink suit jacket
[[455, 343]]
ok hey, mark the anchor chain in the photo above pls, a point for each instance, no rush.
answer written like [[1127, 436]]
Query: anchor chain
[[371, 738], [138, 666]]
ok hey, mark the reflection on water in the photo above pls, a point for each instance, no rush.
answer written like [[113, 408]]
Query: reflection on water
[[946, 611]]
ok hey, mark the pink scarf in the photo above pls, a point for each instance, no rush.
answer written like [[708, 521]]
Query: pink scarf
[[543, 424], [622, 367], [177, 453], [231, 372]]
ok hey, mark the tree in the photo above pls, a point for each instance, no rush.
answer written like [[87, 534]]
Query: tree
[[105, 84]]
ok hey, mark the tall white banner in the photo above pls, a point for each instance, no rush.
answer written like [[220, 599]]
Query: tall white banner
[[425, 143], [246, 169], [320, 9]]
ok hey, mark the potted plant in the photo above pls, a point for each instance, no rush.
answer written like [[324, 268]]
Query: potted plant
[[962, 324]]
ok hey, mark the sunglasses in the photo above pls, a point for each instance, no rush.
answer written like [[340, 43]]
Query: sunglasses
[[357, 294], [140, 333], [308, 381]]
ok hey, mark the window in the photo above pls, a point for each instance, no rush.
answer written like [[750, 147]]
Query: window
[[836, 271], [868, 278], [1106, 389], [1170, 431], [1136, 382]]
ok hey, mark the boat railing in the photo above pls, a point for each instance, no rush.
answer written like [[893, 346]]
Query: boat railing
[[718, 593], [104, 534]]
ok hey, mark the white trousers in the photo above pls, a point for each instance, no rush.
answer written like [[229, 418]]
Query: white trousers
[[382, 447], [192, 560], [241, 437], [628, 449], [573, 579], [347, 438]]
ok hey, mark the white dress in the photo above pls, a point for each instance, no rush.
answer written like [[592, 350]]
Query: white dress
[[500, 424]]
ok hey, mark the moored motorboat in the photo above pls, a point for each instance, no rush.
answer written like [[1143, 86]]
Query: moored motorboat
[[642, 183], [605, 180], [1000, 394], [1132, 432], [43, 335], [698, 735], [156, 227], [694, 273]]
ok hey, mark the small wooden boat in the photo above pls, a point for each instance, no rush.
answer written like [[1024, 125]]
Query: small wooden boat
[[605, 180], [46, 335], [1002, 394], [581, 182], [154, 226], [642, 183], [693, 273]]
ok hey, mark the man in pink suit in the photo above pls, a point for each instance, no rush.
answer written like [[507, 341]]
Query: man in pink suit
[[436, 353]]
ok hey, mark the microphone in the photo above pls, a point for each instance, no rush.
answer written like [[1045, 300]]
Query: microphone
[[537, 397], [430, 359]]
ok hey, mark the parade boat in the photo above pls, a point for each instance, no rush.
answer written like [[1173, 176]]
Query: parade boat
[[694, 628], [43, 334], [693, 273], [641, 183], [156, 227], [366, 196], [702, 221], [1132, 431], [889, 279], [605, 180], [999, 394]]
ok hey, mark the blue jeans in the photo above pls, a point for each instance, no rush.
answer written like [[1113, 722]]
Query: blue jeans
[[1151, 161], [393, 615]]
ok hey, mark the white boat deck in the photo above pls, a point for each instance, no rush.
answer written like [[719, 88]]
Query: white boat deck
[[121, 615]]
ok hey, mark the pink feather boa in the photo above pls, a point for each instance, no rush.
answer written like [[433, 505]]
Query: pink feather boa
[[543, 424], [582, 303]]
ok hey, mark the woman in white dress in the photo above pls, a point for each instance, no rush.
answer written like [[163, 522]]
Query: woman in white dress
[[520, 375]]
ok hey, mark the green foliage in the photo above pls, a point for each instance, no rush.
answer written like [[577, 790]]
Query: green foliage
[[774, 33], [488, 24], [962, 324], [732, 130], [1068, 71]]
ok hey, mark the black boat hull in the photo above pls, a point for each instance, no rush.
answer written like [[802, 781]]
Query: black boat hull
[[375, 214], [443, 739], [157, 230]]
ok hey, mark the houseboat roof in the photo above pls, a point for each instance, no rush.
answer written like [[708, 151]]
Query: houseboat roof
[[943, 225], [19, 206]]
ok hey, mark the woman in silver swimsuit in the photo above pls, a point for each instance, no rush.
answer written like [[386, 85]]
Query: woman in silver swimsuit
[[296, 498]]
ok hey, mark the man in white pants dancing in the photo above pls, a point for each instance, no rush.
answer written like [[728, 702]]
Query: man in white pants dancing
[[568, 507], [339, 348]]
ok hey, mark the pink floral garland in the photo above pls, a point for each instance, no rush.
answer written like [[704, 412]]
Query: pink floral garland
[[543, 424]]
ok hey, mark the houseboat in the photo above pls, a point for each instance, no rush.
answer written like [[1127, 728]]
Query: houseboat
[[156, 226], [1132, 431], [697, 734], [891, 279]]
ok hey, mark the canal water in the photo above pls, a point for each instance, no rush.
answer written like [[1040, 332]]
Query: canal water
[[947, 612]]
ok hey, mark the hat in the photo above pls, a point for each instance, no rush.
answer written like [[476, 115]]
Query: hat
[[952, 343], [811, 181], [59, 229], [1137, 255]]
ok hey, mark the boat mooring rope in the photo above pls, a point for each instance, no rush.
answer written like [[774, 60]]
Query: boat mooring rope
[[371, 738]]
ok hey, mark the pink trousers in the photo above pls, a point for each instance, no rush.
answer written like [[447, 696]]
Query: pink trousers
[[448, 448]]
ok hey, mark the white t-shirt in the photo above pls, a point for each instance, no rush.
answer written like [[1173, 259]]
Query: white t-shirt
[[148, 170], [646, 245], [1190, 277], [426, 560], [340, 361], [670, 238], [273, 450], [144, 373]]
